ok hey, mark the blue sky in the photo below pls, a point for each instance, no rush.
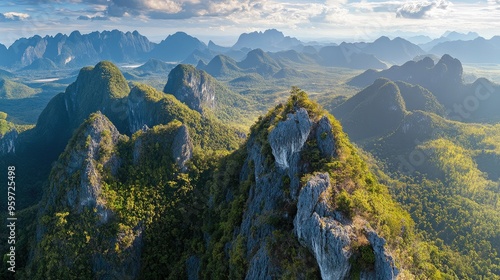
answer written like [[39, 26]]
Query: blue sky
[[224, 20]]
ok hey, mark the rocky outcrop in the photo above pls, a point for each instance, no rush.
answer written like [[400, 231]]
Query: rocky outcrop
[[330, 236], [277, 164], [318, 229], [384, 263], [325, 138], [289, 136], [193, 87]]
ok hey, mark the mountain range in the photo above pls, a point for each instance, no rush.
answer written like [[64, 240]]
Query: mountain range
[[221, 171], [77, 50], [449, 36], [141, 177], [464, 102]]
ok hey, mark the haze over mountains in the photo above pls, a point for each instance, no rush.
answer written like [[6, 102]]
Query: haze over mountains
[[76, 50]]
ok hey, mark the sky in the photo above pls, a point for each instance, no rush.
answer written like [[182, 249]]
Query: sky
[[224, 20]]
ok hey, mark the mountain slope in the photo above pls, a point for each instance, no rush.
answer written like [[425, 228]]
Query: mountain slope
[[260, 62], [296, 200], [436, 166], [14, 90], [221, 65], [300, 183]]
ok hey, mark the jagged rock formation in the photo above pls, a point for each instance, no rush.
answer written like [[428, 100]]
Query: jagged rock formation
[[278, 197], [77, 49], [289, 136], [79, 198], [76, 199]]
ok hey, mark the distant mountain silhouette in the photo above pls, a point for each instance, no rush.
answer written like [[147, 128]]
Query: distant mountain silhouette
[[256, 61], [78, 50], [294, 57], [479, 50], [467, 102], [199, 55], [449, 36], [155, 66], [419, 39], [348, 56], [394, 51], [259, 61], [3, 54], [40, 64], [221, 65], [269, 40], [216, 48], [177, 47]]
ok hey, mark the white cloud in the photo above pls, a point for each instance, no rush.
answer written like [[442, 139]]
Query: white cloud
[[418, 10], [13, 16]]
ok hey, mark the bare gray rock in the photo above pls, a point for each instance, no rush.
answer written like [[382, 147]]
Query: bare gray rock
[[289, 136], [326, 237], [182, 148]]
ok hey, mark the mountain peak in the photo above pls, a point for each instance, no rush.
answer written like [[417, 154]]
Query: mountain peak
[[195, 88]]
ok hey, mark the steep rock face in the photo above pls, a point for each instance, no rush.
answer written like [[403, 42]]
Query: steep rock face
[[139, 110], [76, 190], [286, 141], [179, 144], [193, 87], [8, 142]]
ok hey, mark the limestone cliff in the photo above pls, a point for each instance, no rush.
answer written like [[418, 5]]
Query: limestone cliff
[[193, 87]]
